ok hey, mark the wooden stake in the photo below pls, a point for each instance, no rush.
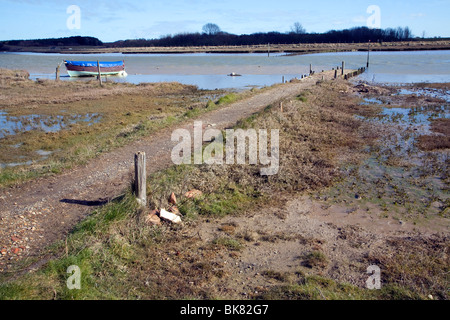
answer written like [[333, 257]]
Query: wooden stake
[[343, 66], [57, 70], [368, 53], [140, 178], [281, 106], [99, 77]]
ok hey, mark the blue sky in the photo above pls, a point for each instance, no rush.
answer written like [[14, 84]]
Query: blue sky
[[111, 20]]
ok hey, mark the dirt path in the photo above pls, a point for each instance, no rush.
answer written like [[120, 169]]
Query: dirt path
[[37, 213]]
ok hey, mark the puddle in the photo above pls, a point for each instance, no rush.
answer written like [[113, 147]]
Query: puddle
[[369, 101], [427, 92], [15, 164], [10, 125], [44, 153]]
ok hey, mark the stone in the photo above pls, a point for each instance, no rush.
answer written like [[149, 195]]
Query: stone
[[193, 194], [152, 218], [169, 216], [172, 198]]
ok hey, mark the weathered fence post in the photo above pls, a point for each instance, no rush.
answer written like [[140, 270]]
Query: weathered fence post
[[58, 69], [281, 106], [310, 68], [335, 73], [343, 66], [99, 77], [282, 79], [140, 178]]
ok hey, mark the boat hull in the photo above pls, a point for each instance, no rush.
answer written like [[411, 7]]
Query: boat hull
[[94, 74], [90, 68]]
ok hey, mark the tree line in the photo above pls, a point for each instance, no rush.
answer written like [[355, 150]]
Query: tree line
[[211, 35], [55, 42], [297, 35]]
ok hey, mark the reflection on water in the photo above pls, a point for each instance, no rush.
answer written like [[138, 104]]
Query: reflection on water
[[209, 71]]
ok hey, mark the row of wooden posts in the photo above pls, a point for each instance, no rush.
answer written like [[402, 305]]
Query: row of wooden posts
[[354, 73], [342, 68]]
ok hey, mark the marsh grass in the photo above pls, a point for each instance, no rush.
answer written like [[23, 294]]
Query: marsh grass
[[436, 142], [124, 113], [415, 268]]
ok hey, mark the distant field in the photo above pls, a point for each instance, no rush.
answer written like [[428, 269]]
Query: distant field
[[301, 48]]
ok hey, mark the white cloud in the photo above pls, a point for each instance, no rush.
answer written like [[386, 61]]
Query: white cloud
[[417, 15]]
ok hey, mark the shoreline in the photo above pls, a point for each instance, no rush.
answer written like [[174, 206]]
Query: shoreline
[[292, 49]]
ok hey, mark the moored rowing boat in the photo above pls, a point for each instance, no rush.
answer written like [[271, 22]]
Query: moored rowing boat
[[90, 68]]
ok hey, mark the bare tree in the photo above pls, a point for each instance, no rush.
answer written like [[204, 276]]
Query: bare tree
[[211, 29], [297, 28]]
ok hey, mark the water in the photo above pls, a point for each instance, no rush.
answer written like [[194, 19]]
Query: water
[[209, 71], [10, 125], [433, 93]]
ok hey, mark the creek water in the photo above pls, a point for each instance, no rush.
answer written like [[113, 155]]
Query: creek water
[[210, 71]]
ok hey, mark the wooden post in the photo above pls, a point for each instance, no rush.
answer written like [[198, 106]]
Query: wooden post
[[99, 76], [335, 73], [58, 69], [368, 53], [140, 178], [281, 106], [343, 66], [282, 79], [310, 68]]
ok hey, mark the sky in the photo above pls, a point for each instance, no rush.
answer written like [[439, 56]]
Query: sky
[[111, 20]]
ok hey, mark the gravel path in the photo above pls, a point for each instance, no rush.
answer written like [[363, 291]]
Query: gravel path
[[35, 214]]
